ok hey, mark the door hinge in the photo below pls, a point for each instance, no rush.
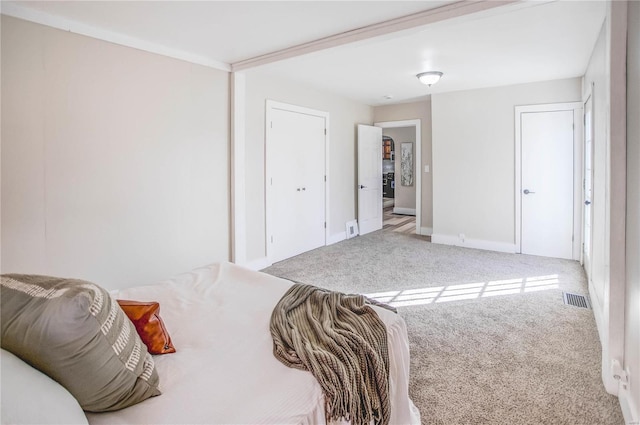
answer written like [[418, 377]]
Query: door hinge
[[619, 374], [325, 178], [271, 239], [325, 131], [271, 124], [325, 224]]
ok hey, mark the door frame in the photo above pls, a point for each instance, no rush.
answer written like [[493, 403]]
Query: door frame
[[418, 162], [578, 112], [587, 264], [269, 162]]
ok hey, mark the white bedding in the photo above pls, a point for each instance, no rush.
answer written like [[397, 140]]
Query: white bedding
[[224, 370]]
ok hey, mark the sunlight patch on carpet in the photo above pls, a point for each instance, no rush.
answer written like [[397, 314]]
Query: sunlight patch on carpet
[[466, 291]]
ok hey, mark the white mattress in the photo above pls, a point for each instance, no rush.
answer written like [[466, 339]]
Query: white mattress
[[224, 370]]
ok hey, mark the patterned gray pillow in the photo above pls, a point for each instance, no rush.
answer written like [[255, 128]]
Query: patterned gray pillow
[[73, 331]]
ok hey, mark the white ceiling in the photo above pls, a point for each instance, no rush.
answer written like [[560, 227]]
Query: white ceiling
[[522, 42], [228, 31]]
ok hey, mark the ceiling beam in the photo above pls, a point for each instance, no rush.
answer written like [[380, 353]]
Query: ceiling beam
[[414, 20]]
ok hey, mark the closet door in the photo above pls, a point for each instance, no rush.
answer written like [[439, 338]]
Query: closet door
[[296, 199]]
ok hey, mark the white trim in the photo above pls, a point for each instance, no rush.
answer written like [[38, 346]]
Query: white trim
[[628, 407], [577, 108], [258, 264], [460, 8], [17, 11], [337, 237], [597, 309], [518, 180], [426, 231], [270, 106], [405, 211], [614, 303], [418, 143], [474, 243], [327, 184], [578, 165], [238, 192], [587, 264]]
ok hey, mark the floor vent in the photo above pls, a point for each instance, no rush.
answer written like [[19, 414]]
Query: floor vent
[[576, 300]]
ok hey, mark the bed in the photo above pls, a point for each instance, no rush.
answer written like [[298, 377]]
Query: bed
[[224, 370]]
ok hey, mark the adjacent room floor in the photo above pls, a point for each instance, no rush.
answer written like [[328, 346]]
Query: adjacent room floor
[[491, 339], [400, 223]]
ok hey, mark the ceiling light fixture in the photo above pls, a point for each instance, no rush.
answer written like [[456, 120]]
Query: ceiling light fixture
[[429, 78]]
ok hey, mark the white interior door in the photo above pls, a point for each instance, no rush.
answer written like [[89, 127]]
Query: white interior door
[[296, 145], [369, 178], [587, 184], [547, 183]]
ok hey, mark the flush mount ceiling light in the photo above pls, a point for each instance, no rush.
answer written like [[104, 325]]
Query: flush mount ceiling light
[[429, 78]]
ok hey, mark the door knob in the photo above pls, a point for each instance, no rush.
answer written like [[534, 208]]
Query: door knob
[[304, 188], [363, 187], [587, 203], [298, 189], [527, 191]]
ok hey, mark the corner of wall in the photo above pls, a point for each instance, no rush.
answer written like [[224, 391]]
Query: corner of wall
[[257, 264], [426, 231], [336, 237]]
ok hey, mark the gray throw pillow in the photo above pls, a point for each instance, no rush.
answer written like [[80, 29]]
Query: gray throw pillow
[[73, 331]]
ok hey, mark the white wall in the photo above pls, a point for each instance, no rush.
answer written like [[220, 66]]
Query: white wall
[[114, 161], [473, 160], [410, 111], [632, 307], [345, 114], [405, 196]]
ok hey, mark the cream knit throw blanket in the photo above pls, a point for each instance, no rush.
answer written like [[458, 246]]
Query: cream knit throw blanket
[[341, 340]]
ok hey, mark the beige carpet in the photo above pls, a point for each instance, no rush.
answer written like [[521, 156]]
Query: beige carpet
[[491, 339]]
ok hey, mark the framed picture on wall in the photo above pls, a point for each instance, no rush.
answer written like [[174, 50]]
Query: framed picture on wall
[[406, 164]]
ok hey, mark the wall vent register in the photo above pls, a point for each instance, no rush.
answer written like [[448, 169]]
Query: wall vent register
[[576, 300]]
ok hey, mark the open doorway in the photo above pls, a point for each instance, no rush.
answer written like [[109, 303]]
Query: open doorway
[[401, 163]]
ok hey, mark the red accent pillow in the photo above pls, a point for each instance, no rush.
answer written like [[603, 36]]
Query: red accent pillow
[[146, 318]]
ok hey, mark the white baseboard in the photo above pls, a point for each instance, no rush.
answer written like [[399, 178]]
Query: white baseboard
[[628, 407], [426, 231], [338, 237], [405, 211], [610, 385], [258, 264], [596, 307], [474, 243]]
